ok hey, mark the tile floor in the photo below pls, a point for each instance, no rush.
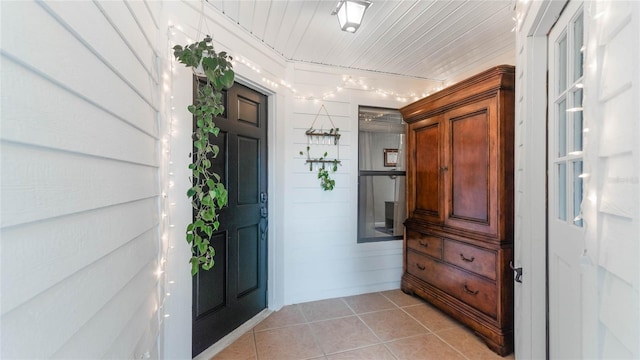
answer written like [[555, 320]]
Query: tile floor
[[385, 325]]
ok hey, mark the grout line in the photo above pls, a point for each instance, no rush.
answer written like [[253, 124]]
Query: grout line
[[313, 333], [434, 333]]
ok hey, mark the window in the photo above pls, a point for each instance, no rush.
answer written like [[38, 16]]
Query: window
[[567, 97], [381, 178]]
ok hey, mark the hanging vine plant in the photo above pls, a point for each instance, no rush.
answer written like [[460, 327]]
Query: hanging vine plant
[[208, 194]]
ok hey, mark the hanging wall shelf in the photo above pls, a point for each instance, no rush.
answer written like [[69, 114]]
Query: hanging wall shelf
[[320, 137]]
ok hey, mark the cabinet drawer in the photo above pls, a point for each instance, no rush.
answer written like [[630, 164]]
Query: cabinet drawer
[[426, 244], [480, 261], [473, 290]]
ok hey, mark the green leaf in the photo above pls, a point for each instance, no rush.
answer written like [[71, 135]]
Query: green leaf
[[211, 75], [194, 267], [207, 216], [209, 231], [227, 78]]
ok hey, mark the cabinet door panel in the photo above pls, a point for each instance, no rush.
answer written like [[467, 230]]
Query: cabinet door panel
[[471, 168], [426, 199]]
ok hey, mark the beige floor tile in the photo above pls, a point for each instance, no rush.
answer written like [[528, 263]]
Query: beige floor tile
[[375, 352], [288, 315], [423, 347], [288, 343], [242, 349], [368, 303], [342, 334], [325, 309], [432, 318], [469, 344], [392, 324], [401, 299]]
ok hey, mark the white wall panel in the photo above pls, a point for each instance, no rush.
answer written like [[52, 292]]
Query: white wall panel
[[612, 160], [136, 301], [79, 180], [64, 245], [322, 256], [72, 63], [39, 327], [41, 184], [94, 26], [62, 121]]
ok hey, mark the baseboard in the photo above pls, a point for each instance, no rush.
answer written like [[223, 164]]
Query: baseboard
[[221, 344]]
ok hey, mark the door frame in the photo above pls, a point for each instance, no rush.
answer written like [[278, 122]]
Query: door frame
[[531, 296], [275, 257]]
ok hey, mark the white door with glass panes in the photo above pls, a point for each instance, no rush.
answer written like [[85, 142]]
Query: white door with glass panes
[[565, 163]]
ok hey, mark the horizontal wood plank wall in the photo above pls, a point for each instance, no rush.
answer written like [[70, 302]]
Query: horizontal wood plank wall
[[80, 179], [612, 191], [322, 256]]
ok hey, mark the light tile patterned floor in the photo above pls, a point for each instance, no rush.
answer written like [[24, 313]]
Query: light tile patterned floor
[[386, 325]]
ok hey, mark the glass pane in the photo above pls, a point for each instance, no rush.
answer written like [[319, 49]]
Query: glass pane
[[562, 64], [578, 51], [381, 137], [562, 128], [382, 199], [562, 191], [577, 121], [577, 192]]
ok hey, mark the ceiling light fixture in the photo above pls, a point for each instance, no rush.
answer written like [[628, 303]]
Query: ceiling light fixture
[[350, 13]]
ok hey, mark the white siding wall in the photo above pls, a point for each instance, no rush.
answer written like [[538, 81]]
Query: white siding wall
[[80, 184], [322, 256], [612, 205]]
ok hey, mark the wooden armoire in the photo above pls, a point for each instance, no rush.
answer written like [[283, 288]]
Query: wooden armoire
[[458, 239]]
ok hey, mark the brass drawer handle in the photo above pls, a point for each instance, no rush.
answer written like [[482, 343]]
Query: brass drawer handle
[[425, 244], [469, 291], [466, 259], [421, 267]]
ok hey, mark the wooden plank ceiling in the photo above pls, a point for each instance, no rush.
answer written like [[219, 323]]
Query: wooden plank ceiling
[[442, 40]]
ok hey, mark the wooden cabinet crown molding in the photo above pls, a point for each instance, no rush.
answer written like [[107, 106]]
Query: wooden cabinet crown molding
[[483, 85]]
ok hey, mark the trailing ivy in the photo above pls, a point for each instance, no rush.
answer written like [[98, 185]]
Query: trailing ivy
[[208, 194]]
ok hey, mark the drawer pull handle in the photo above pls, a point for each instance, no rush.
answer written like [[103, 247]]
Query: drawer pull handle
[[421, 267], [425, 244], [469, 291], [466, 259]]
